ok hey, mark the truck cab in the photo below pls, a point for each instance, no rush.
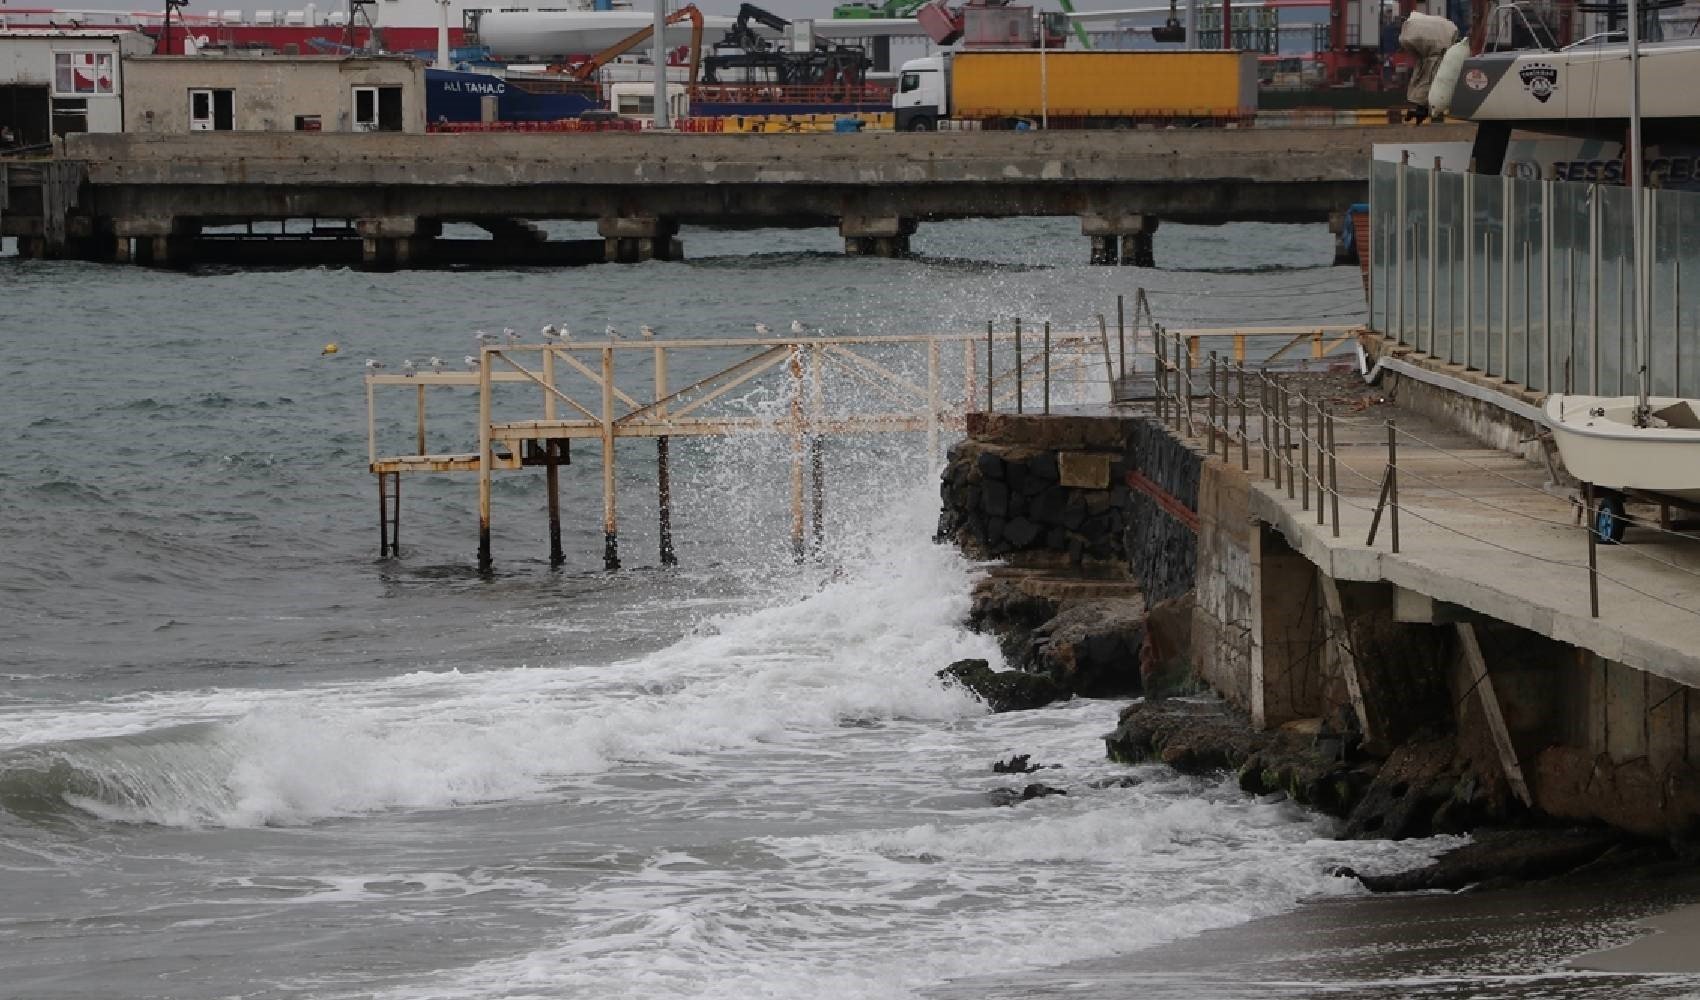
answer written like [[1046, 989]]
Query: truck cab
[[922, 97]]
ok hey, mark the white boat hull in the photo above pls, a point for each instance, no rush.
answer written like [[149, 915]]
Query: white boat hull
[[1600, 444]]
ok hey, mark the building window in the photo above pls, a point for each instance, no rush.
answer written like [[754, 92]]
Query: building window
[[212, 110], [377, 109], [70, 115], [83, 73]]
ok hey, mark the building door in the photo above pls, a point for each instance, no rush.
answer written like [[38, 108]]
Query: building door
[[377, 109], [212, 110], [26, 111], [389, 109]]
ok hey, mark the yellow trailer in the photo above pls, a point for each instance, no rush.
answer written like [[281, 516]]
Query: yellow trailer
[[1097, 88]]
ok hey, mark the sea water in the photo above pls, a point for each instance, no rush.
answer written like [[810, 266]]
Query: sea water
[[242, 757]]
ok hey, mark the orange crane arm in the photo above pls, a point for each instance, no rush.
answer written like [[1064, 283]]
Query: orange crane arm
[[587, 70]]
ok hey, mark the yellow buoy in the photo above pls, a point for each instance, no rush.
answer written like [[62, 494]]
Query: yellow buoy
[[330, 348]]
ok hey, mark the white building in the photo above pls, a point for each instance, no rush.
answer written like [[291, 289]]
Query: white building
[[55, 82]]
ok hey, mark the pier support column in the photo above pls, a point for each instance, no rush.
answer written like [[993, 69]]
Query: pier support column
[[1119, 237], [396, 242], [628, 239], [876, 235], [155, 242]]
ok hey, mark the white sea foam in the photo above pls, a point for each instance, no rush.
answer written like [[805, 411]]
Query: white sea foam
[[862, 646], [887, 913]]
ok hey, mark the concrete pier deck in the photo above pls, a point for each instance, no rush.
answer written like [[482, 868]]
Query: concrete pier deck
[[1484, 530], [396, 190]]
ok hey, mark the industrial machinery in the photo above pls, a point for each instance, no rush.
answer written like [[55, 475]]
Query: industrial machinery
[[588, 69], [808, 60]]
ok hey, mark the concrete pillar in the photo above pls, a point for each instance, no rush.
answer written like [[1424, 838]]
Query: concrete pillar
[[876, 235], [396, 242], [1120, 237], [628, 239], [1286, 656], [155, 241]]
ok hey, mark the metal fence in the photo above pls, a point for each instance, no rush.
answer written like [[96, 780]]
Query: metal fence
[[1532, 281]]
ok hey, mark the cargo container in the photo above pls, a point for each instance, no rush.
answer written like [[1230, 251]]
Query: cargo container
[[1001, 88]]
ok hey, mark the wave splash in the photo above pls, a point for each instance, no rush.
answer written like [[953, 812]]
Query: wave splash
[[861, 642]]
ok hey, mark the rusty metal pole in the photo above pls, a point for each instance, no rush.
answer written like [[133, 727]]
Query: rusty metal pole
[[1047, 368], [817, 447], [552, 480], [1019, 387], [421, 390], [1222, 394], [1393, 482], [991, 404], [484, 459], [798, 526], [551, 461], [383, 520], [663, 469], [610, 517]]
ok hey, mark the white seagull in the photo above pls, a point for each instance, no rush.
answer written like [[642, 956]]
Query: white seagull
[[471, 362], [510, 333], [762, 330], [548, 331], [408, 367], [484, 337], [373, 364], [612, 333], [436, 363], [647, 331], [797, 326]]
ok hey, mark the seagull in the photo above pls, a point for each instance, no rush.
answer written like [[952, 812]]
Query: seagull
[[762, 330], [647, 331], [797, 326], [408, 367], [566, 334], [548, 331], [436, 363], [373, 364], [471, 362], [329, 349], [484, 337], [510, 333], [612, 333]]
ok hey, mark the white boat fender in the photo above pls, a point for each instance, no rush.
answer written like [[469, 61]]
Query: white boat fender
[[1446, 78]]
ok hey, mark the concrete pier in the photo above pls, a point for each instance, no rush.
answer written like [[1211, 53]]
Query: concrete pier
[[639, 188]]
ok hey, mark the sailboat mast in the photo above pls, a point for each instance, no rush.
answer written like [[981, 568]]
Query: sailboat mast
[[1637, 214]]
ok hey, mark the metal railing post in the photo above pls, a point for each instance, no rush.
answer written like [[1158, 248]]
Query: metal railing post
[[1245, 443], [1469, 267], [1121, 340], [1263, 417], [1333, 473], [1546, 285], [1047, 368], [1593, 550], [1304, 452], [991, 402], [1019, 387], [1287, 440], [1399, 251], [1433, 246], [1210, 423], [1393, 481]]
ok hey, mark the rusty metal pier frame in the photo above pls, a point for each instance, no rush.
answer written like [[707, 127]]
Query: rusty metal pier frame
[[582, 399]]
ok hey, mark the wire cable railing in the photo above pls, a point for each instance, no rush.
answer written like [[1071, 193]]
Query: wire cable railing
[[1237, 408]]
